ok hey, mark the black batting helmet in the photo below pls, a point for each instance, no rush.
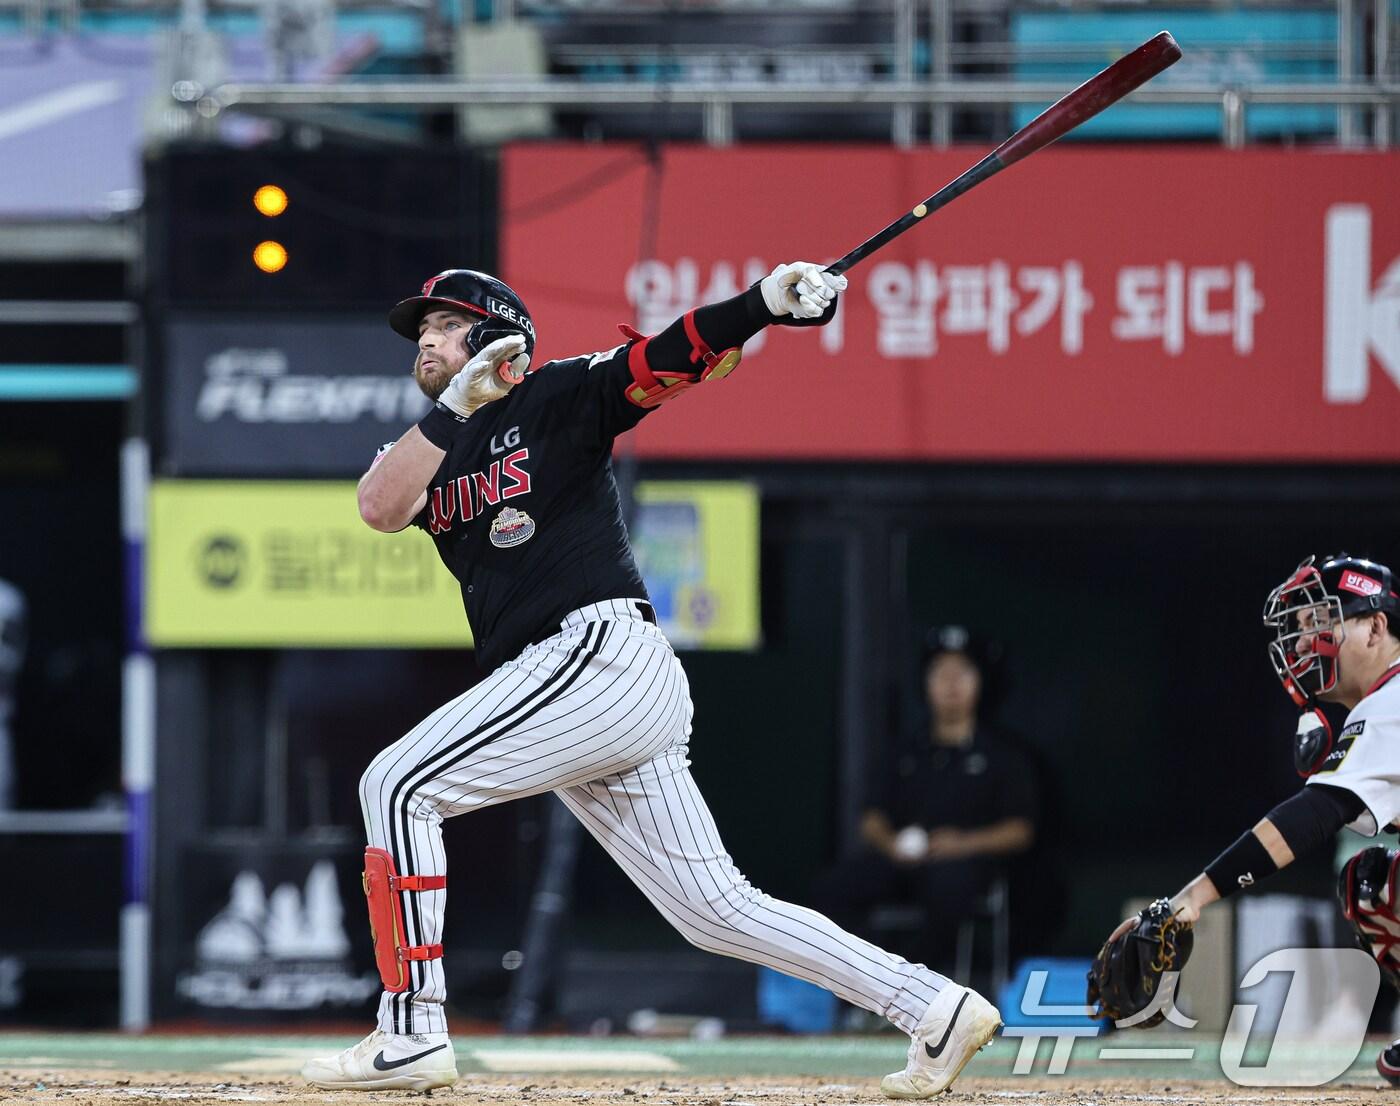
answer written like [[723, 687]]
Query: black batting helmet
[[500, 311], [1313, 604]]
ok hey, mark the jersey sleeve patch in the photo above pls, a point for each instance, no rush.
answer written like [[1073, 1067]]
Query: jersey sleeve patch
[[1364, 762], [1345, 740], [606, 355]]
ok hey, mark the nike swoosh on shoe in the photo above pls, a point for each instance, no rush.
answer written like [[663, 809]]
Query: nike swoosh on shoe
[[933, 1053], [382, 1064]]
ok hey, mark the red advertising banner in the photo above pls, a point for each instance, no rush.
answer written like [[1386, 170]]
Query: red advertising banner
[[1144, 303]]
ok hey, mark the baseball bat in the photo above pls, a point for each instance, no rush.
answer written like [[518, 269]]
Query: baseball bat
[[1061, 117]]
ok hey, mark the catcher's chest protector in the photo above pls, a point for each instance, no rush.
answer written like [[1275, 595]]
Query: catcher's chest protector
[[1367, 886], [383, 887]]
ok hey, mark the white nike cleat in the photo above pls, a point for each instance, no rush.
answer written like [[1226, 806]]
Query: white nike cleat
[[387, 1061], [957, 1023]]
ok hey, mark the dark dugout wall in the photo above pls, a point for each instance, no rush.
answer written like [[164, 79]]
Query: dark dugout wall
[[1127, 597]]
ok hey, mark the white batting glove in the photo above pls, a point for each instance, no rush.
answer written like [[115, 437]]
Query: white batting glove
[[801, 289], [489, 375]]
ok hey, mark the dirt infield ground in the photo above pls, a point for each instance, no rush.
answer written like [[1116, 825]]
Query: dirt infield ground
[[106, 1070], [81, 1088]]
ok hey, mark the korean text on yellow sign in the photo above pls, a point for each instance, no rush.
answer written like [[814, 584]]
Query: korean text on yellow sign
[[289, 563], [268, 564]]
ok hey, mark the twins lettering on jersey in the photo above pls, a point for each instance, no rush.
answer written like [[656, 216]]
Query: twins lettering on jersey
[[468, 496]]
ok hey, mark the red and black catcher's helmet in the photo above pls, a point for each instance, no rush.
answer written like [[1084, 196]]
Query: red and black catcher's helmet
[[493, 302], [1313, 605]]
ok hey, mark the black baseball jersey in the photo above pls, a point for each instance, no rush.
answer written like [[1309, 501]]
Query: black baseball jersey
[[985, 781], [524, 509]]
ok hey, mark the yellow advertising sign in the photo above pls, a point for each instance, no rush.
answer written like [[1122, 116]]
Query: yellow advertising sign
[[697, 548], [290, 564], [254, 563]]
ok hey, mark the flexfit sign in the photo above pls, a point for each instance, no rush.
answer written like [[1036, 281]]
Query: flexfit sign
[[285, 396], [258, 386], [1088, 304]]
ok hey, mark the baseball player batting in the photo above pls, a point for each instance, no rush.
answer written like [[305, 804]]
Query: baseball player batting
[[1336, 628], [510, 474]]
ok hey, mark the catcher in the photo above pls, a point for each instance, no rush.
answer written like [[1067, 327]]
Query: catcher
[[1336, 639]]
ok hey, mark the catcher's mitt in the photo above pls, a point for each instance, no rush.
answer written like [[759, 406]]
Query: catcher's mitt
[[1126, 972]]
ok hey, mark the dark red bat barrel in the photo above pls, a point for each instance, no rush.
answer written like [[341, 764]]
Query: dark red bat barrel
[[1090, 98], [1086, 101]]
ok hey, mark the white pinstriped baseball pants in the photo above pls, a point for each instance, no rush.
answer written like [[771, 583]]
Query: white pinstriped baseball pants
[[600, 714]]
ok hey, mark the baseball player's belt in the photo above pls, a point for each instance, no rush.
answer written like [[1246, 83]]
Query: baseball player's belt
[[645, 609], [383, 889]]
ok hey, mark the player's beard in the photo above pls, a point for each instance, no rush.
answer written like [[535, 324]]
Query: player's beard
[[432, 382]]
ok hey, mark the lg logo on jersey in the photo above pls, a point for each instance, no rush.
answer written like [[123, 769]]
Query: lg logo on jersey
[[467, 496], [509, 441]]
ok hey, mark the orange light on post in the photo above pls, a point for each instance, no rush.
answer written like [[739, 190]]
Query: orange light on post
[[270, 256], [270, 200]]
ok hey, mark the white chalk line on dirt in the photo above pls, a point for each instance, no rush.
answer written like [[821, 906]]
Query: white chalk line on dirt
[[220, 1092], [277, 1061], [55, 1062], [289, 1061], [551, 1060], [1140, 1096]]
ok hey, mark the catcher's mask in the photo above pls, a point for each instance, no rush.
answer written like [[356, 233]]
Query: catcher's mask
[[498, 311], [1308, 613]]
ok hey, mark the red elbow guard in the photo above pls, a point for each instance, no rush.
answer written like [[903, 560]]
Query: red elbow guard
[[650, 388]]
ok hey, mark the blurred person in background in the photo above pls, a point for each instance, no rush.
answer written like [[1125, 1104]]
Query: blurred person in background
[[950, 812], [12, 639]]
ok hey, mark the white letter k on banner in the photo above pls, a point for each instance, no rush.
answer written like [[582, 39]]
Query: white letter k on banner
[[1360, 320]]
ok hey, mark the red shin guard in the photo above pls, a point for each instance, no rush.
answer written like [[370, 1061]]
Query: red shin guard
[[383, 887]]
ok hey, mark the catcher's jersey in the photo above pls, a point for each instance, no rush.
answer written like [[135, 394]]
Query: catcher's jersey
[[524, 509], [1366, 757]]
